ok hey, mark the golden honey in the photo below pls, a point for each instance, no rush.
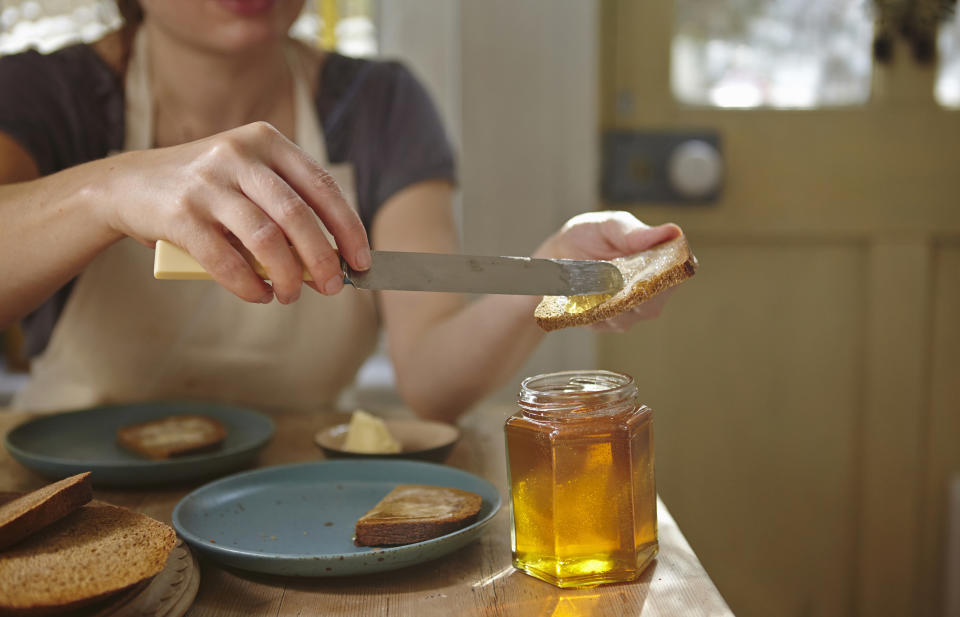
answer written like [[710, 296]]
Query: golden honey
[[583, 497], [579, 304]]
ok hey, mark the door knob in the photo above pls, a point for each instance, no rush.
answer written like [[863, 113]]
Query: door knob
[[695, 169]]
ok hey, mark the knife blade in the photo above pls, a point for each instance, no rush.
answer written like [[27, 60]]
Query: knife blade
[[485, 274], [439, 272]]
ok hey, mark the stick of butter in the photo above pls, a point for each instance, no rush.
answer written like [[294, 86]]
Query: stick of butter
[[368, 434]]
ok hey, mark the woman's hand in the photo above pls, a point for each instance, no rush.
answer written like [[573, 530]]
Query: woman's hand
[[250, 184], [606, 235]]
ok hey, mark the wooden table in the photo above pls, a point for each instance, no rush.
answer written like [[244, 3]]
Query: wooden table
[[477, 580]]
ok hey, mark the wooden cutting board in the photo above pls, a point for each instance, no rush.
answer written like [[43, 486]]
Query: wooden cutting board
[[168, 594]]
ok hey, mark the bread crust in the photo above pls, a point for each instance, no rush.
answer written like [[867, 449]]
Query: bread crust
[[94, 552], [414, 513], [178, 433], [25, 515], [645, 275]]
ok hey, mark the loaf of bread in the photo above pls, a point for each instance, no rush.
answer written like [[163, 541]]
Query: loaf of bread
[[644, 275], [22, 516], [88, 555], [173, 436], [413, 513]]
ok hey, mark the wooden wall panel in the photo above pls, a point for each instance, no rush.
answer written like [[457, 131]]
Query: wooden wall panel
[[870, 194], [941, 445], [754, 373], [895, 393]]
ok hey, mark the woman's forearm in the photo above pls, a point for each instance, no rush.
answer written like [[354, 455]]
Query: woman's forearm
[[51, 228], [459, 359]]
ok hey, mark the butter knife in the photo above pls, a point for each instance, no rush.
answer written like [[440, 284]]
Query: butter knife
[[439, 272]]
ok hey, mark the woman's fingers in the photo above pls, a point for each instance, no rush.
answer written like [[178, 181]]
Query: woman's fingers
[[272, 199], [320, 191], [642, 238], [265, 240], [605, 235], [628, 235], [208, 245], [255, 184], [301, 228]]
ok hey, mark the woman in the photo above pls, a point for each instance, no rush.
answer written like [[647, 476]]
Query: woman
[[233, 134]]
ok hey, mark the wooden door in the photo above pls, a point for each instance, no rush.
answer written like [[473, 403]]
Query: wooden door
[[806, 382]]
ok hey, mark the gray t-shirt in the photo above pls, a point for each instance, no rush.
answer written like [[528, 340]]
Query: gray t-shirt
[[66, 108]]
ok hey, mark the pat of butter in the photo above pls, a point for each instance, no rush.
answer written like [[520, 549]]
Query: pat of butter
[[368, 434]]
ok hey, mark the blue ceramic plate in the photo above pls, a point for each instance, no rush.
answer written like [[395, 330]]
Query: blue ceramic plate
[[68, 443], [298, 520]]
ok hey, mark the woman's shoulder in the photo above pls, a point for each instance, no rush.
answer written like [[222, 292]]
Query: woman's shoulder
[[76, 75], [369, 91], [378, 116], [66, 106], [341, 74], [334, 76], [70, 62]]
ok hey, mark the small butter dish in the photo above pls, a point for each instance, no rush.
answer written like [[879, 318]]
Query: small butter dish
[[421, 440]]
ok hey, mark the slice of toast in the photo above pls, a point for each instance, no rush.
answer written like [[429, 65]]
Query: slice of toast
[[173, 436], [88, 555], [413, 513], [644, 275], [25, 515]]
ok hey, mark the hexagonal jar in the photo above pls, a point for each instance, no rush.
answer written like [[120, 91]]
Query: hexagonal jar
[[582, 489]]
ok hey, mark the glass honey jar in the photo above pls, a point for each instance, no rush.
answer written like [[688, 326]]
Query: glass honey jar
[[580, 464]]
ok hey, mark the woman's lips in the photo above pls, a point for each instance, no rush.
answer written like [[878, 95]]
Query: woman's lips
[[247, 7]]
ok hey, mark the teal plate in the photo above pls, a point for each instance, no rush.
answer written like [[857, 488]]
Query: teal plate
[[69, 443], [298, 520]]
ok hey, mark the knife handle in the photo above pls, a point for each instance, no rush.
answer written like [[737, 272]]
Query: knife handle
[[172, 263]]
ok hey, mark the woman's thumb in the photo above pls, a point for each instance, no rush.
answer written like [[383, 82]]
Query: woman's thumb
[[643, 238]]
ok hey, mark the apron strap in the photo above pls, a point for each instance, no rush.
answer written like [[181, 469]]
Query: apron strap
[[138, 108]]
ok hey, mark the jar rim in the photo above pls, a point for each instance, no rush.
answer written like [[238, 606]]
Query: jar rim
[[595, 392]]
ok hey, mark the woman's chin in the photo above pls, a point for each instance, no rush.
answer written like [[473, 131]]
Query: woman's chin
[[244, 38]]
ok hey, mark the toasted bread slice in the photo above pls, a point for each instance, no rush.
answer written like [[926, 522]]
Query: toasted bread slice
[[413, 513], [88, 555], [23, 516], [644, 275], [173, 436]]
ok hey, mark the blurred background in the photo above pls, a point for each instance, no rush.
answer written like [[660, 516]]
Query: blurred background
[[807, 380]]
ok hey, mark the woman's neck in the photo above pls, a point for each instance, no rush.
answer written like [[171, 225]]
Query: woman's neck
[[198, 92]]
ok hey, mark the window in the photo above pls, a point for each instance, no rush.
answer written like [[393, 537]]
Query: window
[[947, 88], [53, 24], [772, 53]]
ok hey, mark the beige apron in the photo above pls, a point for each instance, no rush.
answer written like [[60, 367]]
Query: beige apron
[[125, 337]]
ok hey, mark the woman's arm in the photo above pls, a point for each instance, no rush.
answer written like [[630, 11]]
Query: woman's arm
[[48, 231], [448, 353], [249, 184]]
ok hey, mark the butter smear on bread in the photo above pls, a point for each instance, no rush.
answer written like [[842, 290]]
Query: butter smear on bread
[[368, 434]]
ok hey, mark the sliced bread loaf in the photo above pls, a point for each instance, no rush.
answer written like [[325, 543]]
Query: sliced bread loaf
[[23, 516], [644, 275], [94, 552], [173, 436], [413, 513]]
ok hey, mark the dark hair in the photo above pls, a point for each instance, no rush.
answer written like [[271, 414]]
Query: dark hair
[[131, 11]]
